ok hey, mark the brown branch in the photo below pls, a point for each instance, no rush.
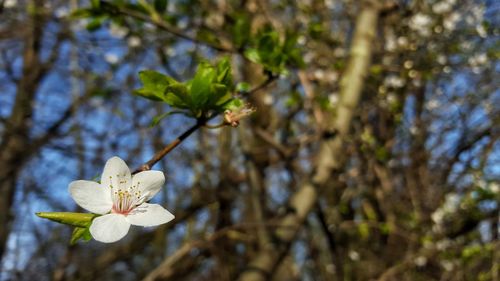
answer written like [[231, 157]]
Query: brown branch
[[169, 147], [200, 123], [158, 22], [173, 263], [301, 203]]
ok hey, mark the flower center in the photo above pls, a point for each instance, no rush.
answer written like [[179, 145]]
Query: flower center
[[125, 196]]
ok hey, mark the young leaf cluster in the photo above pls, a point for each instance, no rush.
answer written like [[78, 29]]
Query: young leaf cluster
[[274, 53], [208, 92]]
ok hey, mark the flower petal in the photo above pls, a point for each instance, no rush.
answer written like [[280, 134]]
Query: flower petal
[[148, 183], [91, 196], [116, 173], [149, 215], [109, 228]]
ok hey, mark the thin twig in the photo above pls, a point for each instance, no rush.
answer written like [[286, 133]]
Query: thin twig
[[200, 123], [169, 147], [158, 22]]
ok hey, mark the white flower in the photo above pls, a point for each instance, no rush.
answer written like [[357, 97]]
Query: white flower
[[134, 41], [121, 200], [118, 31], [421, 23], [481, 31], [333, 98], [394, 81], [62, 12], [450, 22], [442, 7], [420, 261], [10, 4], [111, 58]]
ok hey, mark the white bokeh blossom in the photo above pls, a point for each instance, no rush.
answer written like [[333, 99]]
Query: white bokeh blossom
[[134, 41], [10, 4], [121, 200], [450, 22], [118, 31], [421, 23]]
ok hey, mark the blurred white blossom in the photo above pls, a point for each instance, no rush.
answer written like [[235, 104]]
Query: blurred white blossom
[[450, 205], [394, 81], [111, 58], [61, 12], [481, 31], [421, 23], [420, 261], [441, 59], [333, 98], [118, 31], [353, 255], [447, 265], [442, 7], [450, 22], [432, 104], [319, 74], [134, 41], [402, 41], [10, 4]]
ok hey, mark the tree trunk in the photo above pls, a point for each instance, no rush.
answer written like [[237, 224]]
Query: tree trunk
[[304, 200]]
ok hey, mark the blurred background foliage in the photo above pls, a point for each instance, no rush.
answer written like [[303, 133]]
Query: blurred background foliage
[[415, 198]]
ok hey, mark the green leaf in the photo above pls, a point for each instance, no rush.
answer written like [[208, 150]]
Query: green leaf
[[154, 85], [364, 230], [176, 95], [234, 104], [241, 30], [201, 84], [158, 118], [209, 89], [96, 4], [94, 24], [220, 94], [74, 219], [268, 43], [253, 55], [147, 94], [82, 13], [224, 72], [160, 5], [273, 53], [242, 87]]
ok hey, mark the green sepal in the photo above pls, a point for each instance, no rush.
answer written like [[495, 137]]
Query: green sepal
[[73, 219], [80, 233]]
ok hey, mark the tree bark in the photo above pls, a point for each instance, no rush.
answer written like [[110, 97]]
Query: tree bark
[[304, 200], [15, 139]]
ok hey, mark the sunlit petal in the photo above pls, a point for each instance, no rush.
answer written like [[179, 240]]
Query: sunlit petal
[[109, 228], [116, 174], [149, 215], [148, 183], [91, 196]]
